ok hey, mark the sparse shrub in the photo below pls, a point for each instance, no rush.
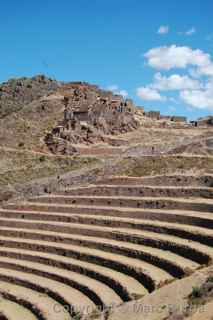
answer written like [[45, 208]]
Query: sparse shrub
[[21, 144], [42, 158], [196, 292], [210, 279], [78, 316]]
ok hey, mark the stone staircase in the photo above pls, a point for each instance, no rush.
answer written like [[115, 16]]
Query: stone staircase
[[72, 254]]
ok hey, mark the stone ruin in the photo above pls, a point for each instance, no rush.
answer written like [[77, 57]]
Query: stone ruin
[[203, 122], [90, 114], [156, 115]]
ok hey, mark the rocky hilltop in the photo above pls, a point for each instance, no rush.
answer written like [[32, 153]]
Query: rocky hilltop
[[16, 93], [45, 114], [48, 127], [90, 115], [103, 206]]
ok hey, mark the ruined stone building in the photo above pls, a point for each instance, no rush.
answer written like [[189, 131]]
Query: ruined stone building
[[203, 122], [155, 115], [178, 119], [91, 113]]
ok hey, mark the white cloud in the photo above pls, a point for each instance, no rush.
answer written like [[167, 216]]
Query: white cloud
[[149, 94], [163, 30], [115, 89], [190, 32], [174, 82], [201, 99], [194, 88], [206, 70], [179, 57]]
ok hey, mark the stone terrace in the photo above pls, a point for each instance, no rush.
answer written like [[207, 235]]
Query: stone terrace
[[102, 245]]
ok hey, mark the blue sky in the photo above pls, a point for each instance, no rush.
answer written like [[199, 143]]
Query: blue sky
[[116, 44]]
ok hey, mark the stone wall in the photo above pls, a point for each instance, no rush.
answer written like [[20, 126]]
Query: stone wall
[[178, 119], [153, 114], [208, 121], [89, 115]]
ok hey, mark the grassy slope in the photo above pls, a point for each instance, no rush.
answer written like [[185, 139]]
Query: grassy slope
[[167, 137], [27, 128], [22, 167], [158, 165], [24, 130]]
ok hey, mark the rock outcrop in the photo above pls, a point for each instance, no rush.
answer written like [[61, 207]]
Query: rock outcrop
[[90, 114], [16, 93]]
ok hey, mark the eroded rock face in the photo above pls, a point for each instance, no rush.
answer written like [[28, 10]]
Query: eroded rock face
[[89, 115], [16, 93]]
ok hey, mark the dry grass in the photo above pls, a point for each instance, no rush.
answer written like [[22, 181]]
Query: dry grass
[[22, 167], [158, 135], [160, 165], [27, 128]]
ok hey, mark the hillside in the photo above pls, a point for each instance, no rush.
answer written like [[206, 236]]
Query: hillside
[[40, 117], [16, 93], [104, 207], [30, 108]]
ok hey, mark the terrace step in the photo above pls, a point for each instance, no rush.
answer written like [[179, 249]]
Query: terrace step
[[197, 252], [97, 292], [174, 264], [196, 204], [165, 180], [127, 287], [66, 212], [105, 244], [61, 293], [149, 275], [139, 191], [185, 231], [190, 232], [41, 304], [14, 311]]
